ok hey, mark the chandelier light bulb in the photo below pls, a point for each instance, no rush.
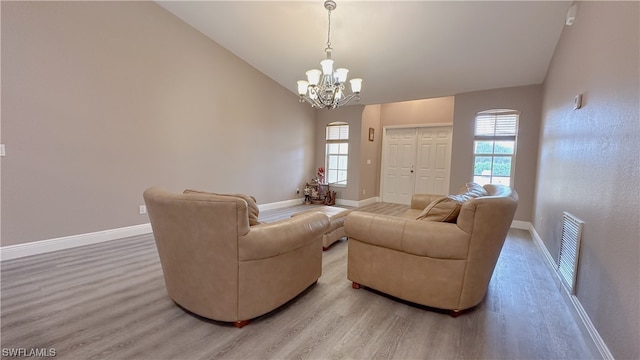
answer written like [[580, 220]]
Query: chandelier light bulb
[[327, 66], [341, 75], [356, 85], [313, 76], [302, 87]]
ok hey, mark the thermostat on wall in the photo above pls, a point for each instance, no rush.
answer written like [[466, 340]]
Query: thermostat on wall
[[577, 102]]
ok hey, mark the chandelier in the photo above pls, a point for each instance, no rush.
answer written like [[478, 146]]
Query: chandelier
[[326, 88]]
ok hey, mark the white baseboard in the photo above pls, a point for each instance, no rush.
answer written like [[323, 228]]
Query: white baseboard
[[345, 202], [547, 255], [357, 203], [369, 201], [591, 329], [67, 242], [280, 204]]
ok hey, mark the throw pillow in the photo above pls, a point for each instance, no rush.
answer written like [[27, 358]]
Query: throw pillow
[[444, 209], [475, 190], [469, 191], [252, 207]]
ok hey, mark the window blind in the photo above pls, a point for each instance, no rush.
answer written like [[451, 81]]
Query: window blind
[[338, 132], [496, 124]]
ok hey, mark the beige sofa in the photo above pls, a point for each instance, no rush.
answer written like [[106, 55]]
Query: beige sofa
[[445, 265], [218, 266]]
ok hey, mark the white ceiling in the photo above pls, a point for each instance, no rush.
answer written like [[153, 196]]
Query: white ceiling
[[403, 50]]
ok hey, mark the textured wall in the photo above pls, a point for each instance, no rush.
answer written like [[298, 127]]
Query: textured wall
[[589, 164], [102, 99]]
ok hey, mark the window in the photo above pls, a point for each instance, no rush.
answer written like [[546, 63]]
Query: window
[[494, 146], [337, 153]]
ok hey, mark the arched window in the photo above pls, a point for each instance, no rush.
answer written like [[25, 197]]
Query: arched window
[[337, 153], [494, 146]]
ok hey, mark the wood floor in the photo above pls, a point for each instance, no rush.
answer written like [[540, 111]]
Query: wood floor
[[108, 301]]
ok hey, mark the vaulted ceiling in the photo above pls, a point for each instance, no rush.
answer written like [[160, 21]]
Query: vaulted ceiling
[[403, 50]]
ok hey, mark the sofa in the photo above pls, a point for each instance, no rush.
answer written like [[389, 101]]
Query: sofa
[[221, 263], [441, 253]]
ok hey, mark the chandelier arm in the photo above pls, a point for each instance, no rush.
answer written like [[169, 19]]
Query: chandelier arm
[[348, 99], [325, 102]]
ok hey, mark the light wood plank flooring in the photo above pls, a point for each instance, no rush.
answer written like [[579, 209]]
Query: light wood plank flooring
[[108, 301]]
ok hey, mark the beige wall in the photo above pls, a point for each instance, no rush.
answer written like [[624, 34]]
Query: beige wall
[[526, 99], [101, 100], [370, 152], [590, 161], [416, 112]]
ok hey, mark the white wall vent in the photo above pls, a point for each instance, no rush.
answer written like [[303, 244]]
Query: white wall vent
[[569, 250]]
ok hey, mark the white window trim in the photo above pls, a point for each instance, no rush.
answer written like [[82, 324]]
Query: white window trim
[[514, 138], [342, 184]]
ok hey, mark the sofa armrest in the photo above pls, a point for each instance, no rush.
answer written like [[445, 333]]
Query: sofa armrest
[[276, 238], [420, 201], [418, 237]]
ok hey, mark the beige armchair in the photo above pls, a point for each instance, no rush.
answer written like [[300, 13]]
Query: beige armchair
[[445, 265], [218, 266]]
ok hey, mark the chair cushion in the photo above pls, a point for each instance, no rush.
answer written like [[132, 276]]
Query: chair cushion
[[252, 207], [444, 209]]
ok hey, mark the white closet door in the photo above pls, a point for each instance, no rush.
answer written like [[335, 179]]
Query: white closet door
[[416, 160], [433, 160], [400, 157]]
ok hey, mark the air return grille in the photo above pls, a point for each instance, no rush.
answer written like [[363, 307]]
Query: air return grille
[[569, 250]]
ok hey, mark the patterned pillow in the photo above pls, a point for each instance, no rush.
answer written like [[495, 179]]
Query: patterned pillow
[[469, 191], [475, 190], [252, 207], [444, 209]]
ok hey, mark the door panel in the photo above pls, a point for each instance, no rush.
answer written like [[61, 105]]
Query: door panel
[[423, 168]]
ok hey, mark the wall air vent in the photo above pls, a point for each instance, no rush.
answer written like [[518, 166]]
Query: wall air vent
[[569, 250]]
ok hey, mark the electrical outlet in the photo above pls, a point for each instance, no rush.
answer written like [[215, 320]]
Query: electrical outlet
[[297, 191], [143, 209], [364, 192]]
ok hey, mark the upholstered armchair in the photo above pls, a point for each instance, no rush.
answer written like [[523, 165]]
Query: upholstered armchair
[[218, 266], [440, 254]]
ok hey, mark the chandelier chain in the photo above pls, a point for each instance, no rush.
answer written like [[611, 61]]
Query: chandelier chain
[[329, 31]]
